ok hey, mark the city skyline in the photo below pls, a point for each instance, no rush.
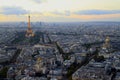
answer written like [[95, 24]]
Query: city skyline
[[59, 10]]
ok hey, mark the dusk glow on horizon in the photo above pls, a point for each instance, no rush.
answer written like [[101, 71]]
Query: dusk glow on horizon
[[59, 10]]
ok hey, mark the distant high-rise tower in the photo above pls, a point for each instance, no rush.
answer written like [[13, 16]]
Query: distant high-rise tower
[[29, 32], [107, 43]]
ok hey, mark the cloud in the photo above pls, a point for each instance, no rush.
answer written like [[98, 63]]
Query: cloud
[[39, 1], [13, 11], [97, 12], [65, 13], [57, 13]]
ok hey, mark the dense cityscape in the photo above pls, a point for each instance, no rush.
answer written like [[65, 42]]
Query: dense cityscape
[[59, 39], [59, 51]]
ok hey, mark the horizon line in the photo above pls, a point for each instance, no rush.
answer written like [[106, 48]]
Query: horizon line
[[55, 21]]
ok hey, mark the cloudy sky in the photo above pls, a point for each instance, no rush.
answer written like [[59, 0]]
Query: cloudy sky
[[59, 10]]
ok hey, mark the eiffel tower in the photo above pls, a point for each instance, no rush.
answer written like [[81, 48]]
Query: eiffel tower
[[29, 32]]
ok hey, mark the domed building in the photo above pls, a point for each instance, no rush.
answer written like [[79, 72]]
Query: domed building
[[106, 45]]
